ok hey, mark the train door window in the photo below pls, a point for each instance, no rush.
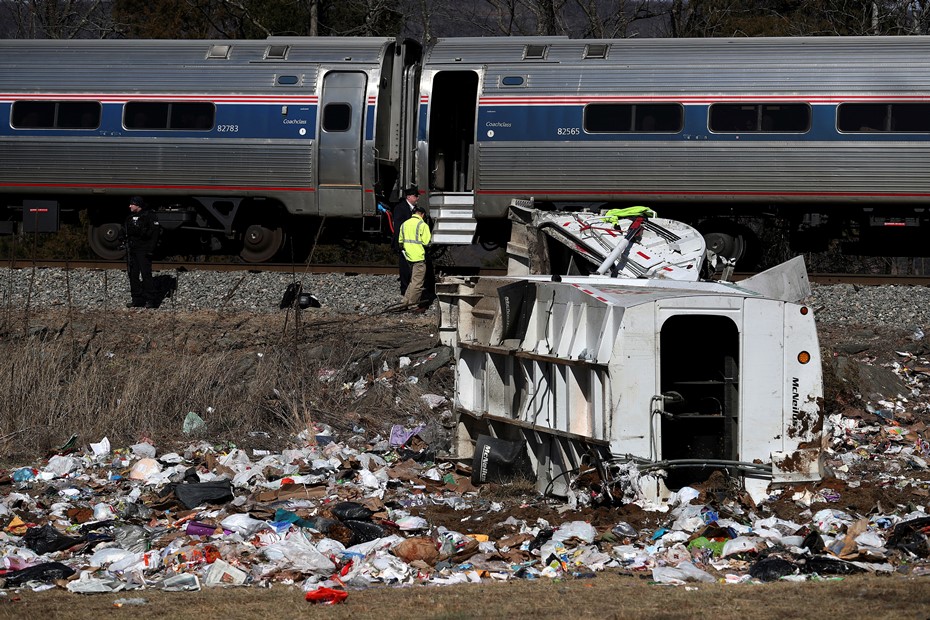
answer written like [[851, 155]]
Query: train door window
[[337, 117], [145, 115], [855, 117], [33, 115]]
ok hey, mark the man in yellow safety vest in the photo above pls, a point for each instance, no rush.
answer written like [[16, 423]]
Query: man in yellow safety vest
[[414, 237]]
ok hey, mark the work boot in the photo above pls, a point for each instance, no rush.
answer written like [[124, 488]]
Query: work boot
[[151, 304], [134, 304]]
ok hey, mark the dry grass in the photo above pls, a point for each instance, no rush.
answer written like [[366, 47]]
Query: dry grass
[[135, 375], [606, 596]]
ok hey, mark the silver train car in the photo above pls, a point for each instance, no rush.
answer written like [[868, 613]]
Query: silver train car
[[240, 141], [233, 140]]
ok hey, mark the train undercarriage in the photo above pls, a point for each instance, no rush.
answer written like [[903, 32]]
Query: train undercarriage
[[260, 230]]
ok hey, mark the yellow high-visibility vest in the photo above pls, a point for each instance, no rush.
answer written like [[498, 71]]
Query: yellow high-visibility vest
[[414, 237]]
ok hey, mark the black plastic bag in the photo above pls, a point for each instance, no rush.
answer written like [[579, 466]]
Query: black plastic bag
[[47, 539], [827, 565], [772, 569], [193, 495], [49, 571], [351, 510]]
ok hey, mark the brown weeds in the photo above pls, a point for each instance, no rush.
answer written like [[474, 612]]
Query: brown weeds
[[137, 375]]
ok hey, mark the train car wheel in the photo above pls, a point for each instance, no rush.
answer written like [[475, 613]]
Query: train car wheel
[[261, 242], [104, 240], [725, 244]]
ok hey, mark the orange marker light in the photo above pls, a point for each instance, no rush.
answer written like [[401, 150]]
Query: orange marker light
[[804, 357], [804, 310]]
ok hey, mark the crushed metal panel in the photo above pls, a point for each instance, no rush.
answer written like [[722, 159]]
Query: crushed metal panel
[[580, 360]]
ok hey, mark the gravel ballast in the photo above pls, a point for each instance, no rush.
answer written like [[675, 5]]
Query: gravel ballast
[[88, 289]]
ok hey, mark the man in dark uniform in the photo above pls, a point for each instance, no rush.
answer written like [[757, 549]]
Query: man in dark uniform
[[142, 232], [399, 215]]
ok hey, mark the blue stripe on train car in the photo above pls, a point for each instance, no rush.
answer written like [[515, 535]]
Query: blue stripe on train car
[[232, 121], [545, 123]]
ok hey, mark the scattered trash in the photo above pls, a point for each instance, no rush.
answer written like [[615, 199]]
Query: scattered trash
[[331, 513], [193, 423], [327, 596]]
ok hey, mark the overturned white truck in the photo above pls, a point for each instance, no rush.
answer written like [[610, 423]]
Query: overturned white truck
[[591, 373]]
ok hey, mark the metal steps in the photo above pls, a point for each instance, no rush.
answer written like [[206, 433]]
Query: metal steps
[[453, 218]]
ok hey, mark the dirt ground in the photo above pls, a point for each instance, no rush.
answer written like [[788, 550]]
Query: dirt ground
[[347, 340], [608, 595]]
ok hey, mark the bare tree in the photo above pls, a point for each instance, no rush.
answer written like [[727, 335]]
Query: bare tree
[[56, 19]]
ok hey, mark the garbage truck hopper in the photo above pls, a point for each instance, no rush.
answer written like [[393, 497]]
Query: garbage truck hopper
[[680, 378]]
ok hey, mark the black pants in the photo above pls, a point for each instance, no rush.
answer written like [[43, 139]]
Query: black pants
[[404, 268], [141, 284]]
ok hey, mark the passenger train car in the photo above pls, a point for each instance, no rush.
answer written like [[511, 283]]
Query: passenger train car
[[242, 141]]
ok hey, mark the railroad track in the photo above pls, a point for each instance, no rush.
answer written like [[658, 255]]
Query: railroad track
[[819, 278], [253, 267]]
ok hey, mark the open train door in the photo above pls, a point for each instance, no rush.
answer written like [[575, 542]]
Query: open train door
[[339, 155], [451, 156]]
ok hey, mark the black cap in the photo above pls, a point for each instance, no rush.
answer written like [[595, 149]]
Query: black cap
[[137, 200], [413, 190]]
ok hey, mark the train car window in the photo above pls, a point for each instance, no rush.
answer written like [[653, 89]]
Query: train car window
[[855, 117], [765, 118], [512, 80], [627, 117], [608, 117], [337, 117], [910, 117], [886, 117], [33, 115], [785, 118], [734, 117], [55, 115], [658, 117], [162, 115], [194, 115], [287, 80], [145, 115], [78, 115]]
